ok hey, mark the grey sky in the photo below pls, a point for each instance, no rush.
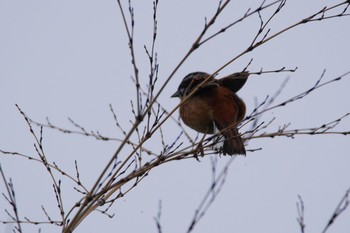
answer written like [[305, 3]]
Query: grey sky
[[64, 59]]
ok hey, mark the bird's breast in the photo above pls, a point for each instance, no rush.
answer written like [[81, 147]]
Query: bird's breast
[[198, 115]]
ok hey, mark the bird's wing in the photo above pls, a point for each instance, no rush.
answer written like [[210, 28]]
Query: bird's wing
[[234, 81]]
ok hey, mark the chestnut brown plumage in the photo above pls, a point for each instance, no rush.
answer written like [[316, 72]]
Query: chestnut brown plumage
[[214, 107]]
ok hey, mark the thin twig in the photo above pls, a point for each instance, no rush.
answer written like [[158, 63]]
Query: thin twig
[[11, 198], [341, 207]]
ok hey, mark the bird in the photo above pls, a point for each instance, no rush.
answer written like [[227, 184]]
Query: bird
[[214, 107]]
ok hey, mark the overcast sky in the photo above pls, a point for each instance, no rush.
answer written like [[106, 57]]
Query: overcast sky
[[61, 59]]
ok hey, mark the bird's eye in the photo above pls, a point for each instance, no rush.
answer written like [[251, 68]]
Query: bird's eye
[[181, 91]]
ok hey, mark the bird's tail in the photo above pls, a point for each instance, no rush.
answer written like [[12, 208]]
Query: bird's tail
[[233, 144]]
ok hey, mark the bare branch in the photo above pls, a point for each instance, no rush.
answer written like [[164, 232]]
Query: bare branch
[[40, 151], [317, 85], [320, 16], [341, 207], [11, 198], [211, 194], [130, 33], [300, 209], [157, 219]]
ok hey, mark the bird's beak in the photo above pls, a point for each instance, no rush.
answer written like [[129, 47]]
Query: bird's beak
[[176, 94]]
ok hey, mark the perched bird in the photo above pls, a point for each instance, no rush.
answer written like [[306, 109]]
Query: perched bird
[[214, 107]]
